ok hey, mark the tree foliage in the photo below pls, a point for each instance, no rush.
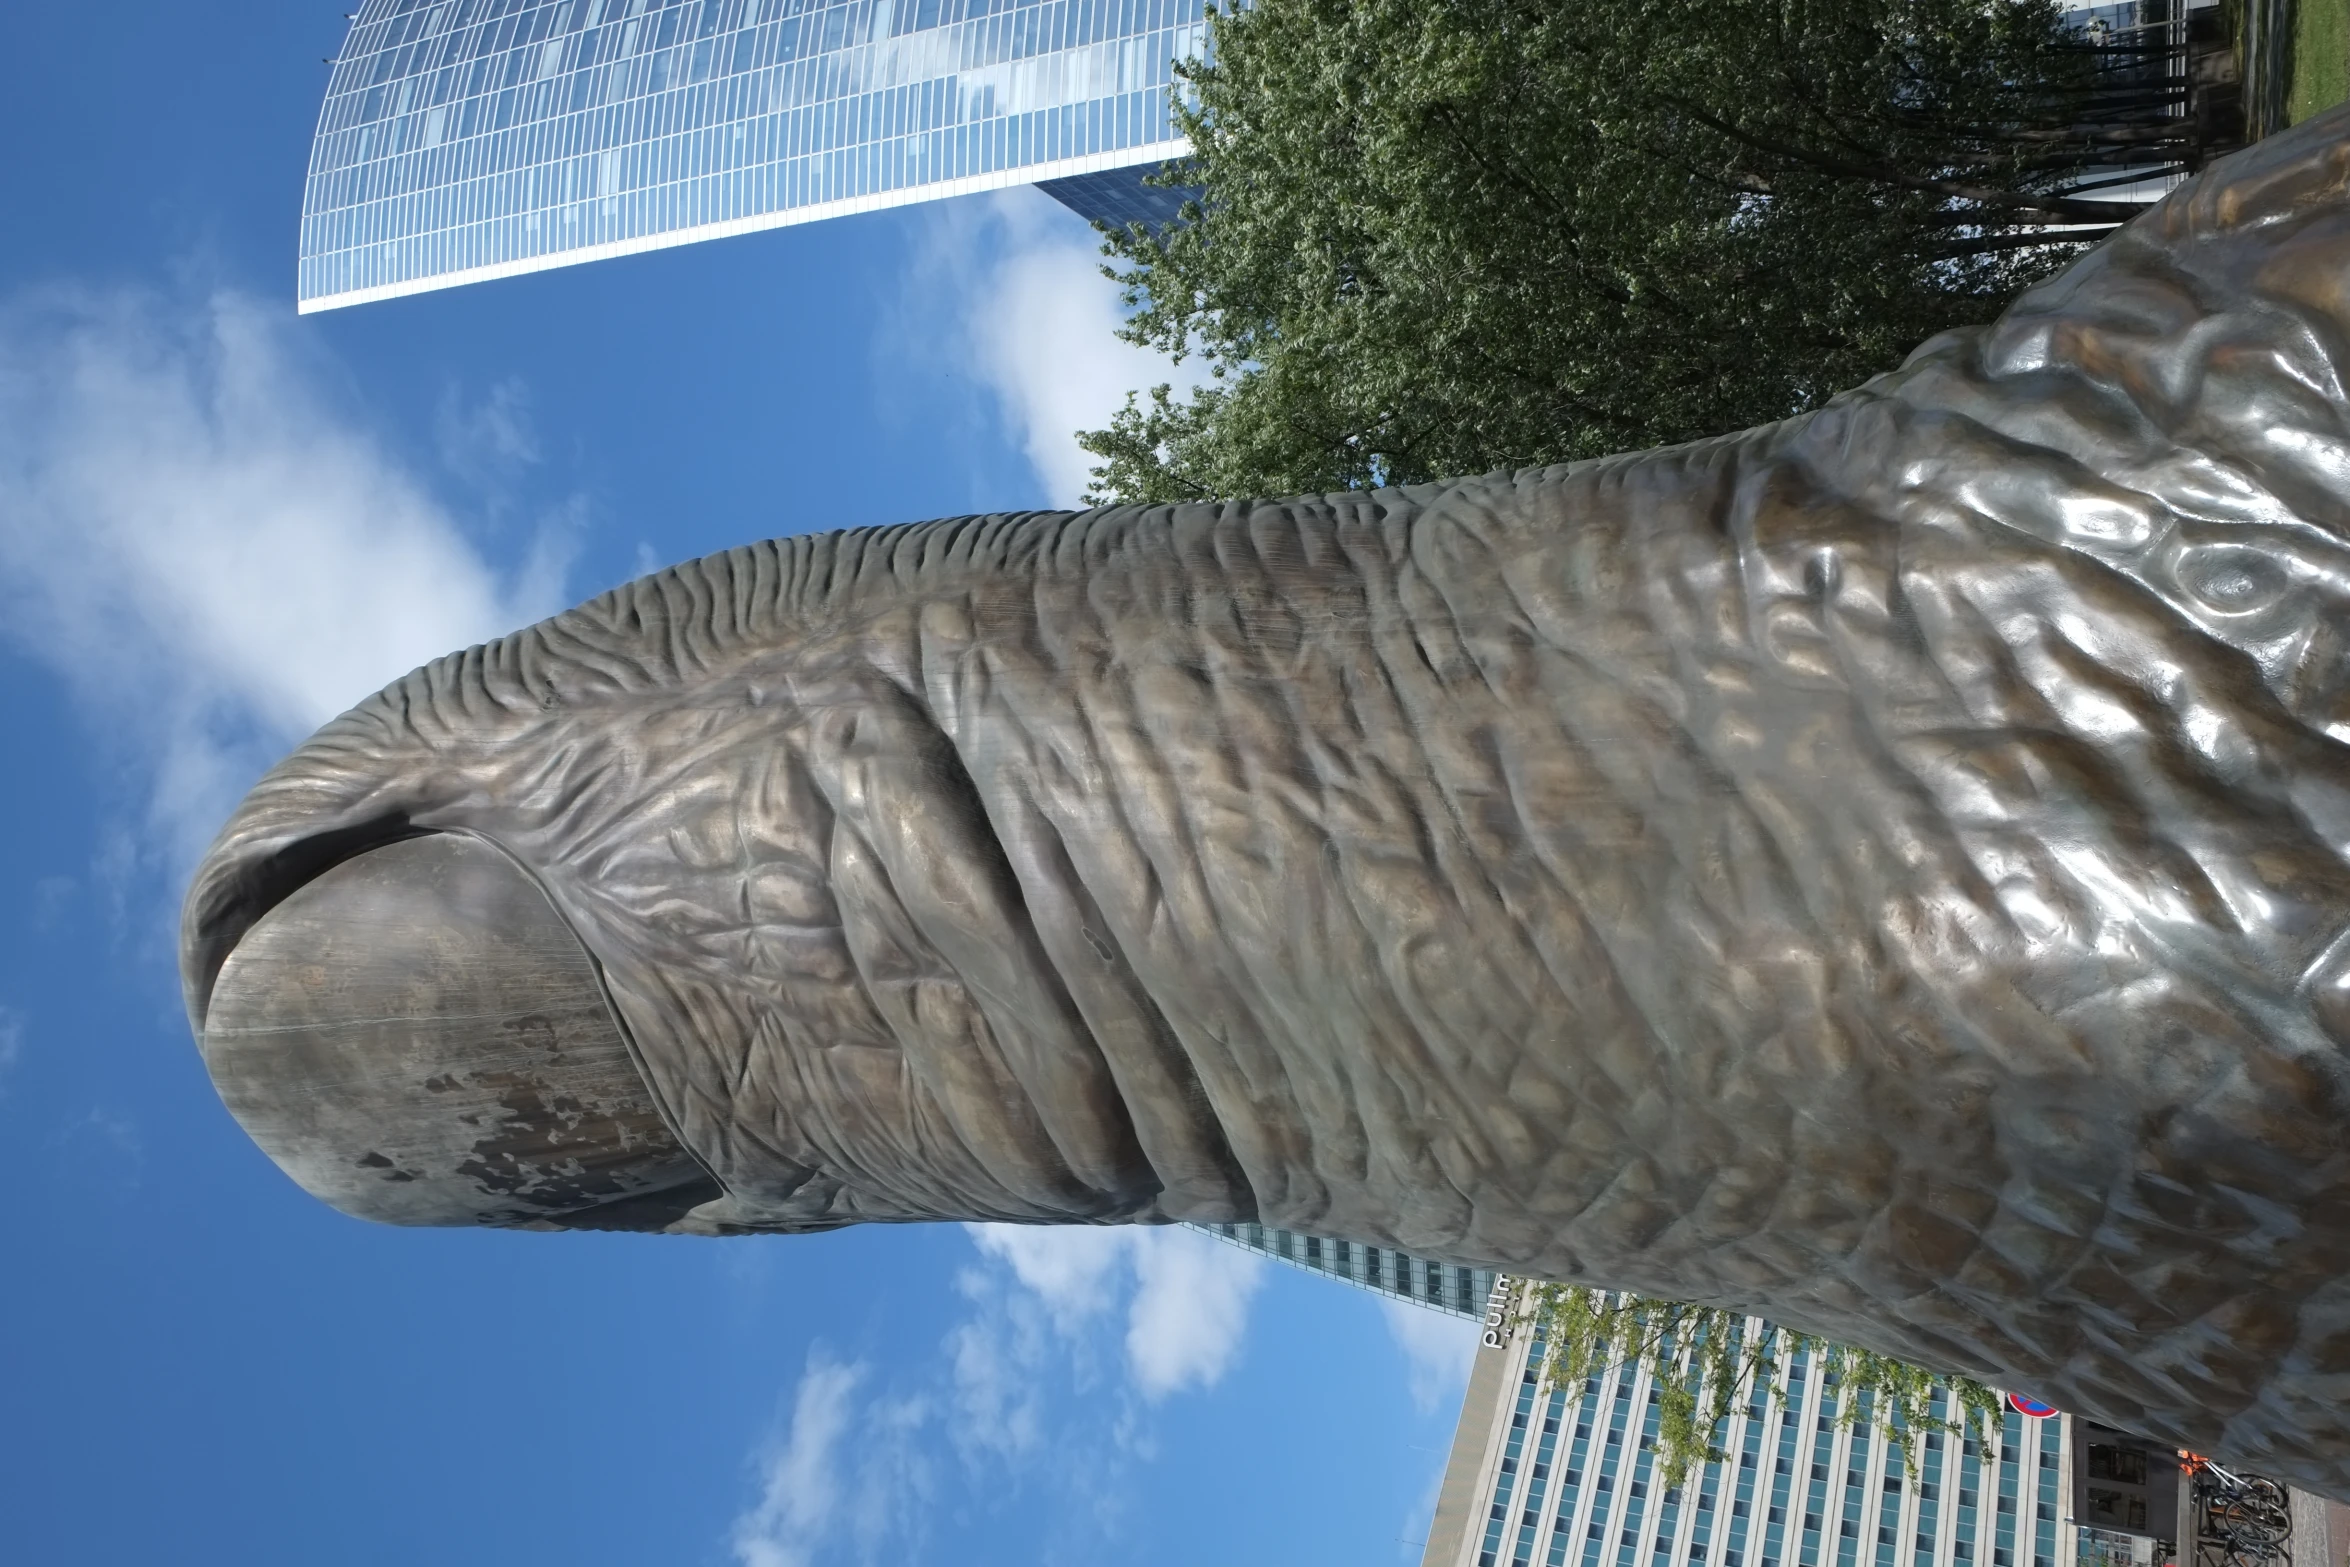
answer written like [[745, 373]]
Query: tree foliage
[[1445, 236], [1705, 1366]]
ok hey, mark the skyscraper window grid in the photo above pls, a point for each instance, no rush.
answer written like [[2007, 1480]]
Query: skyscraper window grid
[[468, 139], [1748, 1447], [1782, 1477], [1571, 1483], [1522, 1422], [1888, 1516], [1380, 1269], [1970, 1494], [1636, 1495], [2003, 1553], [1930, 1488], [1545, 1439], [1606, 1488], [2051, 1435], [1855, 1497], [1605, 1493], [1708, 1498], [1667, 1521], [1815, 1504]]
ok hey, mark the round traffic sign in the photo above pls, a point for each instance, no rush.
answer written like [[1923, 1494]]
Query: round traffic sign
[[2030, 1406]]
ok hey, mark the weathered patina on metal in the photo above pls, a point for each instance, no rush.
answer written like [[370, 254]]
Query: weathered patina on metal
[[1889, 870]]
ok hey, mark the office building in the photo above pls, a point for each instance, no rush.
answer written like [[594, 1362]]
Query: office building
[[1382, 1270], [463, 140], [1565, 1478]]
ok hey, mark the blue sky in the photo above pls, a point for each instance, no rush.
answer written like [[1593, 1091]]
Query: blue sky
[[219, 525]]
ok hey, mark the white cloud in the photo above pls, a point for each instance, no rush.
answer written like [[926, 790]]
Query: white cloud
[[1188, 1307], [1046, 1380], [889, 1501], [1036, 323], [998, 1356], [102, 1151], [848, 1476], [490, 437], [11, 1041], [800, 1480], [51, 894], [1075, 1269], [1437, 1349], [209, 545]]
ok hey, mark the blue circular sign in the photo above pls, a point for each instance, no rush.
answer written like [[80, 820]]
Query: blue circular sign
[[2030, 1406]]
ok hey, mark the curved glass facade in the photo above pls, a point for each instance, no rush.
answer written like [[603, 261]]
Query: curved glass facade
[[471, 139]]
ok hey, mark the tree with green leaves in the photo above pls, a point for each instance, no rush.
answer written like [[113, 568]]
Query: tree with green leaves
[[1449, 236], [1707, 1363]]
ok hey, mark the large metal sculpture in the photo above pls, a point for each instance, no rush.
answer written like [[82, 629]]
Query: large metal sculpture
[[1890, 870]]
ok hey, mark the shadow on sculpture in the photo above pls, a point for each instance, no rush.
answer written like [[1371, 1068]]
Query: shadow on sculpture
[[1888, 870]]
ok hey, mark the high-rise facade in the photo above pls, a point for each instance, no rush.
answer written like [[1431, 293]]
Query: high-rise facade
[[470, 139], [1383, 1270], [1566, 1477]]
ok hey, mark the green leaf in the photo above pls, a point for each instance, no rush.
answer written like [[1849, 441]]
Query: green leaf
[[1706, 1364], [1452, 236]]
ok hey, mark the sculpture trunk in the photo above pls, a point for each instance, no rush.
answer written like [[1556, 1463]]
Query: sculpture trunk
[[1889, 870]]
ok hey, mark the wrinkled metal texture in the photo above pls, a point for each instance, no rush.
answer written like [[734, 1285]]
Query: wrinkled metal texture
[[418, 1038], [1888, 870]]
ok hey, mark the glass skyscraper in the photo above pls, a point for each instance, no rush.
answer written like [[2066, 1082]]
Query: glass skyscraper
[[1383, 1270], [470, 139], [1565, 1477]]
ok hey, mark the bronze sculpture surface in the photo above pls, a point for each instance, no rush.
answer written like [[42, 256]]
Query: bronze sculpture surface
[[1889, 870]]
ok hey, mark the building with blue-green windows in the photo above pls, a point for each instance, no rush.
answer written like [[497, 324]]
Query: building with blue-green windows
[[463, 140], [1383, 1270], [1565, 1477]]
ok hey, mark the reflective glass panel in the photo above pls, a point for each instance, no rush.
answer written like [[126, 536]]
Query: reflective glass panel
[[469, 139]]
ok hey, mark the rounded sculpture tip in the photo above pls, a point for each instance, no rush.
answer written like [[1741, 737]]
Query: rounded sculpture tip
[[416, 1036]]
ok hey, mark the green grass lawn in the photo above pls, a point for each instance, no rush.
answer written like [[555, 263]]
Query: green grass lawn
[[2321, 56]]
